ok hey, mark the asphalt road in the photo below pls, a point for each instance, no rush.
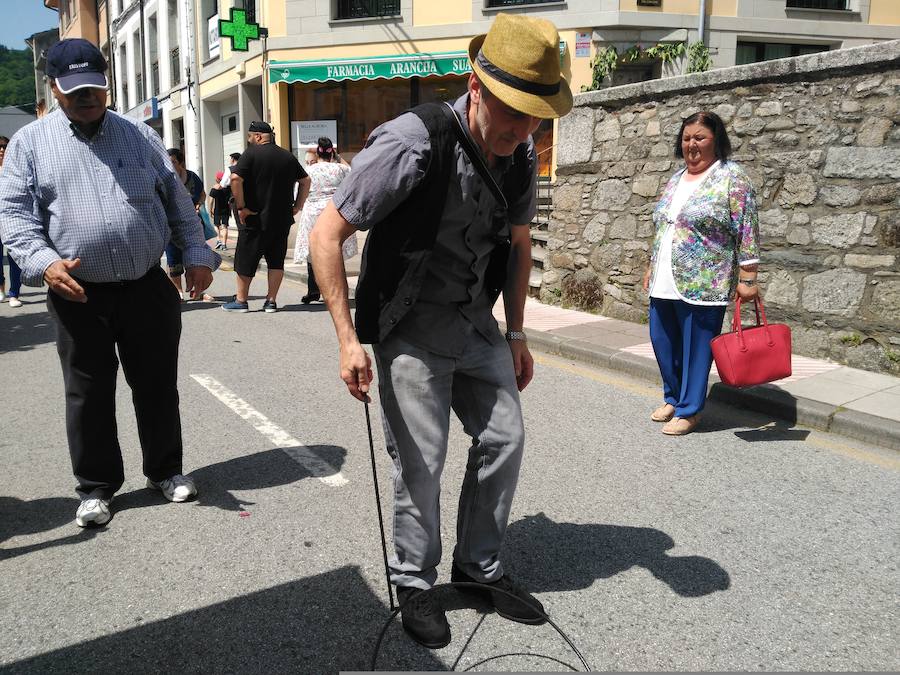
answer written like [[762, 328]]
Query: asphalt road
[[748, 546]]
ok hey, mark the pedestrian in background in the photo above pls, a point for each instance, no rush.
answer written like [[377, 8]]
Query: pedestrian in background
[[15, 273], [325, 175], [194, 186], [706, 249], [88, 202], [219, 206], [441, 248], [269, 188]]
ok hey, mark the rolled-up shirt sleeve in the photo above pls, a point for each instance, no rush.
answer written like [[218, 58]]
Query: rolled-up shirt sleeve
[[23, 229], [385, 172], [187, 230]]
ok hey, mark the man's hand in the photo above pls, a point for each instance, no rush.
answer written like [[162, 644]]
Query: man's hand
[[60, 281], [356, 370], [523, 362], [245, 213], [197, 279], [297, 208]]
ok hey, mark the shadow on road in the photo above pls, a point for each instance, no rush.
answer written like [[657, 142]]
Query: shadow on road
[[320, 624], [25, 330], [216, 482], [18, 517], [581, 554]]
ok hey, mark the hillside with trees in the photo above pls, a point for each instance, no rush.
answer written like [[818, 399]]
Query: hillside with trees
[[16, 77]]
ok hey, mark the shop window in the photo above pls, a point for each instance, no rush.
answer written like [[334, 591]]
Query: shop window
[[491, 4], [841, 5], [363, 9], [754, 52], [439, 89]]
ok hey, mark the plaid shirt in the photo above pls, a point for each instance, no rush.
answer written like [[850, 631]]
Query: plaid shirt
[[113, 201]]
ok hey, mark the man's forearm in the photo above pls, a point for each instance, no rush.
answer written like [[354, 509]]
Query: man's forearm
[[516, 288], [237, 191], [325, 242]]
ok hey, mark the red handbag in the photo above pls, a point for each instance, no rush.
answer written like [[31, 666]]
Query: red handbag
[[755, 355]]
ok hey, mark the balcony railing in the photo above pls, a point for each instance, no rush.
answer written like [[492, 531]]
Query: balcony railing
[[362, 9], [175, 66], [840, 5]]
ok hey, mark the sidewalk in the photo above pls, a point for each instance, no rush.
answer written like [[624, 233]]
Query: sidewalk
[[819, 394]]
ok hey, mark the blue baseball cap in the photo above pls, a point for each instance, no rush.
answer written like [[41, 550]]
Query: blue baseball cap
[[75, 64]]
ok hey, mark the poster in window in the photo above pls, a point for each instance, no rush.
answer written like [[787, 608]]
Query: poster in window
[[306, 133], [212, 36], [649, 3], [582, 45]]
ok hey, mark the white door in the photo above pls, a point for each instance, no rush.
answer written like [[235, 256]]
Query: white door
[[232, 137]]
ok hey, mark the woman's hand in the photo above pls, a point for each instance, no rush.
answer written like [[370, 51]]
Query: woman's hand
[[747, 293], [646, 280]]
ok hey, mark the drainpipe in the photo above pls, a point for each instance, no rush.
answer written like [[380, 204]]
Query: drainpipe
[[702, 27], [193, 83], [146, 73]]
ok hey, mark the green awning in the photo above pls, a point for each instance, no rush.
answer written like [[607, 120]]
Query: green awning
[[389, 67]]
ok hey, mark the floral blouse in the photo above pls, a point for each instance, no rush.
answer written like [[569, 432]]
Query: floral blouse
[[716, 231]]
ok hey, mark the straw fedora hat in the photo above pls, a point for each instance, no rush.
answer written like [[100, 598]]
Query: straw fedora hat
[[518, 61]]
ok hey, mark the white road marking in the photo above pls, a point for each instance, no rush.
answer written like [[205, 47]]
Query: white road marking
[[280, 438]]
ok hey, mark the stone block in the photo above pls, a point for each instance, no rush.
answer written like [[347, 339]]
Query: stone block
[[882, 194], [652, 128], [645, 186], [567, 198], [608, 130], [605, 257], [799, 235], [595, 230], [657, 165], [798, 188], [611, 195], [869, 83], [868, 262], [873, 131], [751, 127], [840, 195], [886, 301], [782, 289], [725, 111], [562, 260], [772, 223], [577, 128], [780, 124], [786, 139], [623, 226], [859, 163], [841, 231], [836, 292]]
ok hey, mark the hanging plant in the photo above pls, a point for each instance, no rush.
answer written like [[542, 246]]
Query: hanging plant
[[666, 52], [698, 58], [602, 65], [633, 53]]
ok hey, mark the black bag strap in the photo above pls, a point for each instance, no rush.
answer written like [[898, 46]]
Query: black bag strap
[[475, 156]]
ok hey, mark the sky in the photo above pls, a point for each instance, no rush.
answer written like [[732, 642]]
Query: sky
[[20, 19]]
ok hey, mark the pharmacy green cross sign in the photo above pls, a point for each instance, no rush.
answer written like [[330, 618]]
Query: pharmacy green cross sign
[[239, 30]]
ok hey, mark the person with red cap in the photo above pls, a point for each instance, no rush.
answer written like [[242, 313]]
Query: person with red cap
[[88, 202]]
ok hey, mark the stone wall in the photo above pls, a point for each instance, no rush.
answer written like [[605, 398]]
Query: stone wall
[[820, 137]]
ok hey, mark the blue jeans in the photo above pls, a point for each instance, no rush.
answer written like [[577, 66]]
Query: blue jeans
[[15, 275], [681, 333], [174, 259]]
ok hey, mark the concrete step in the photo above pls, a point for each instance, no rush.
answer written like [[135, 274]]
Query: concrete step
[[540, 237], [534, 279]]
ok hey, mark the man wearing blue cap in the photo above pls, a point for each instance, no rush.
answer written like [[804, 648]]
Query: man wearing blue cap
[[88, 202]]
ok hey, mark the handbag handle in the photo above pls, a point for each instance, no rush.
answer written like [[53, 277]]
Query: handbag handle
[[760, 312]]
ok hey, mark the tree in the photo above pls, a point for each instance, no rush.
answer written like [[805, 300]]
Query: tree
[[16, 76]]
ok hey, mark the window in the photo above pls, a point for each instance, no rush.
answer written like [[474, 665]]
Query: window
[[175, 66], [362, 9], [514, 3], [818, 4], [753, 52], [248, 6]]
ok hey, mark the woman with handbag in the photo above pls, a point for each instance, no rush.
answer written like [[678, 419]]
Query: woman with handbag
[[705, 251]]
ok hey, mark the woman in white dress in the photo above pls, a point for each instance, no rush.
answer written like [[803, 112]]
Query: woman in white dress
[[325, 175]]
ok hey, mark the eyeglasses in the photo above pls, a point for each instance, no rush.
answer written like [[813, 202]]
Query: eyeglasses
[[2, 147]]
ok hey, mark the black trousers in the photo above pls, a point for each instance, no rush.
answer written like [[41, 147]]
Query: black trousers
[[141, 320], [312, 288]]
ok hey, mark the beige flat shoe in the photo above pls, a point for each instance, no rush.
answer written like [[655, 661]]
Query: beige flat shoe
[[681, 426], [663, 413]]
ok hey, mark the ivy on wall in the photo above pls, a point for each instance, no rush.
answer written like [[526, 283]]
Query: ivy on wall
[[698, 58], [607, 59]]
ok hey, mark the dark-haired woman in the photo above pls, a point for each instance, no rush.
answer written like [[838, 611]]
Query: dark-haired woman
[[325, 175], [706, 249]]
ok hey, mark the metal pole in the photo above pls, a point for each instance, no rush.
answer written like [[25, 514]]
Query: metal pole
[[702, 27], [145, 73]]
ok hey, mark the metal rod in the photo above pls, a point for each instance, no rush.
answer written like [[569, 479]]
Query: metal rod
[[387, 571]]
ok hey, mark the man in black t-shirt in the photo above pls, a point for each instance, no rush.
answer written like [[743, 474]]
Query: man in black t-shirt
[[264, 183]]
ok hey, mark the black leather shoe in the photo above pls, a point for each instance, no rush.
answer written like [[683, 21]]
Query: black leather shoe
[[424, 619], [524, 607], [311, 297]]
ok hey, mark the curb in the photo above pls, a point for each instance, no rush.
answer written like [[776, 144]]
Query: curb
[[766, 398]]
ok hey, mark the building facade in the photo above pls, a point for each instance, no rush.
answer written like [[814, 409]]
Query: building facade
[[341, 67]]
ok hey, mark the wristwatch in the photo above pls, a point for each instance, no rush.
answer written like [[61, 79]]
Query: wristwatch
[[748, 282], [515, 335]]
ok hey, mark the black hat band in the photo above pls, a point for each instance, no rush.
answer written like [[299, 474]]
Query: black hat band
[[534, 88]]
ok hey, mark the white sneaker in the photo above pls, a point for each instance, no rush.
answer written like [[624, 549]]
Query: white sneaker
[[2, 296], [14, 302], [178, 488], [92, 512]]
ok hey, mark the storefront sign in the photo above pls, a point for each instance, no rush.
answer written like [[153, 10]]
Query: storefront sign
[[306, 133], [582, 45], [649, 3], [388, 67], [147, 110], [212, 35]]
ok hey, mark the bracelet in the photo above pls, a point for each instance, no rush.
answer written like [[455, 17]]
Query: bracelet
[[748, 282], [516, 335]]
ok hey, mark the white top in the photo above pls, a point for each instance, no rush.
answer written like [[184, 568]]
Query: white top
[[664, 280]]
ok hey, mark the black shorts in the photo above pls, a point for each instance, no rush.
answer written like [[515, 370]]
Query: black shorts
[[255, 243], [221, 218]]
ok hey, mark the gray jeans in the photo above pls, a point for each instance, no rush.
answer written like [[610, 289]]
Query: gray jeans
[[418, 388]]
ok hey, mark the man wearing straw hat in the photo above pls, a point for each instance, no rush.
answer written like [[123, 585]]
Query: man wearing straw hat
[[429, 280]]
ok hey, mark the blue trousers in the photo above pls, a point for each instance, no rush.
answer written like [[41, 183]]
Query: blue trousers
[[15, 275], [680, 333]]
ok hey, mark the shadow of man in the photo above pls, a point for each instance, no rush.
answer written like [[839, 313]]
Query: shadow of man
[[18, 517], [584, 553]]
